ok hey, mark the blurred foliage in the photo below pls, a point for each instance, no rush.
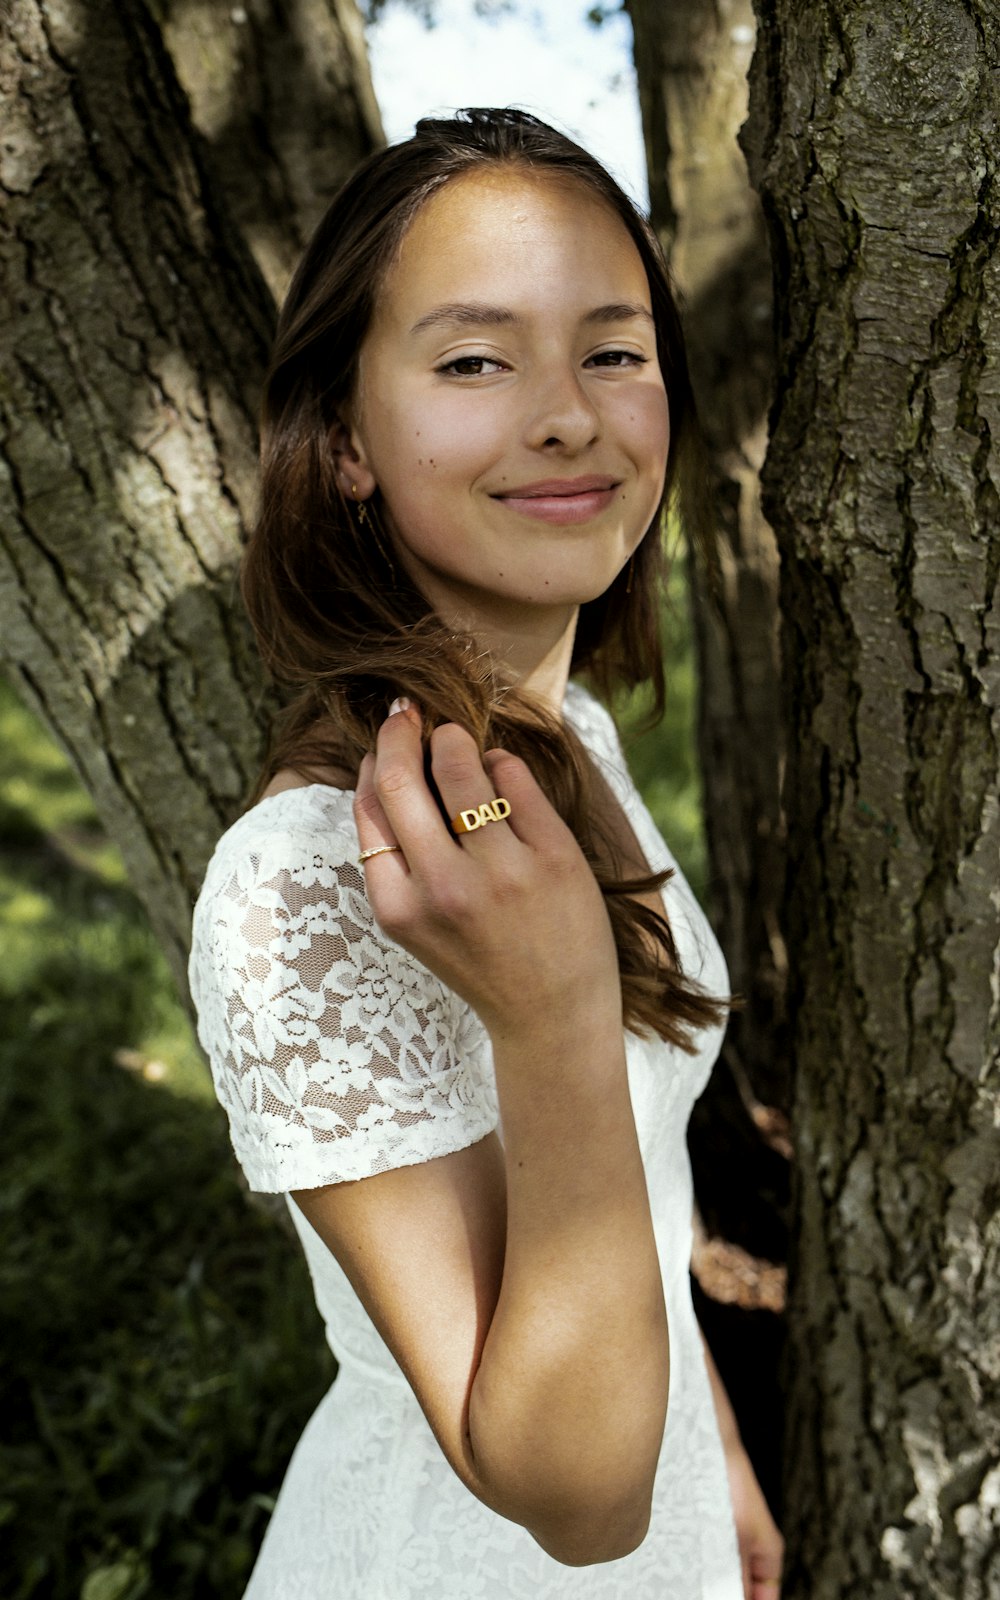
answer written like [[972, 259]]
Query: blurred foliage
[[664, 759], [161, 1347]]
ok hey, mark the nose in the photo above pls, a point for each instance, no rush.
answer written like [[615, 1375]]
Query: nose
[[563, 414]]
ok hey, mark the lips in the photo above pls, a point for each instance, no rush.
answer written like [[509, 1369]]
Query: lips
[[558, 488], [562, 501]]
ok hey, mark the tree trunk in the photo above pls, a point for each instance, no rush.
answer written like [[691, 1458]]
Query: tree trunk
[[873, 142], [691, 61], [283, 96], [135, 328]]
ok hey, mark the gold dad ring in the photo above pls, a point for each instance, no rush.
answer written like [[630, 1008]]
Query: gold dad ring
[[478, 816]]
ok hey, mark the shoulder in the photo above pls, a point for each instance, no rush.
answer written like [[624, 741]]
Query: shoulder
[[291, 829], [280, 878], [335, 1053], [588, 715], [596, 727]]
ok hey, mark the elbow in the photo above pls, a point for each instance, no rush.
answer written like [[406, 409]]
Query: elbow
[[600, 1534], [586, 1503], [577, 1529]]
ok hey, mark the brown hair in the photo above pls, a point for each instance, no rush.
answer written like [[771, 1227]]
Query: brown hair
[[337, 621]]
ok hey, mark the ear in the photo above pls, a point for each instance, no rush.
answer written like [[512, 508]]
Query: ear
[[353, 472]]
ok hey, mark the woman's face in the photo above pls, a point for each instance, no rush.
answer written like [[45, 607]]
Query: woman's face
[[510, 406]]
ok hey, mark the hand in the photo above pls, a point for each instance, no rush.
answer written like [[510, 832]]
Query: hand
[[509, 916], [762, 1547]]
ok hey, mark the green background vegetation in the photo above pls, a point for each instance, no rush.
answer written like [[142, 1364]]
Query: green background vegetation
[[162, 1350]]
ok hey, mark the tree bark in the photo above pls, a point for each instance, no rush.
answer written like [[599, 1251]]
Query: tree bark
[[282, 94], [135, 327], [691, 62], [874, 132]]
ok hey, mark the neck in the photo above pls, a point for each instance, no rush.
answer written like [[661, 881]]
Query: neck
[[543, 670], [535, 652]]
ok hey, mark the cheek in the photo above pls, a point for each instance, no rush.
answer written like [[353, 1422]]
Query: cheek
[[646, 416], [437, 440]]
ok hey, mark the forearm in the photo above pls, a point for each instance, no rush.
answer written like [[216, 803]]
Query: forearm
[[568, 1404]]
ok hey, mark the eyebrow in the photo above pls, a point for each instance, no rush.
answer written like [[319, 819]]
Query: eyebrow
[[479, 316]]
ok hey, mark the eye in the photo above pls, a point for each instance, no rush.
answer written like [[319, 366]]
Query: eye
[[470, 366], [617, 358]]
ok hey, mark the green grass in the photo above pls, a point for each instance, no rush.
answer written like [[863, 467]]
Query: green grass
[[161, 1348]]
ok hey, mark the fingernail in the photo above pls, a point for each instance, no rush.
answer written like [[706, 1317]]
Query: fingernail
[[402, 702]]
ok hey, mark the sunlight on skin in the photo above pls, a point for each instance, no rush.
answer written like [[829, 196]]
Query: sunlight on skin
[[456, 411]]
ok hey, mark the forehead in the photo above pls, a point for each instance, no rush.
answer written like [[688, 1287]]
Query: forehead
[[514, 237]]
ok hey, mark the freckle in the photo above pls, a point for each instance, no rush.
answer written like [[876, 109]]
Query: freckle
[[420, 461]]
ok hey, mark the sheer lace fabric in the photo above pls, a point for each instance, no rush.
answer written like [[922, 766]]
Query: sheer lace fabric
[[337, 1055]]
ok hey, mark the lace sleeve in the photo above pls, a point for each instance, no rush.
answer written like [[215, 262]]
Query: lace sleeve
[[334, 1052]]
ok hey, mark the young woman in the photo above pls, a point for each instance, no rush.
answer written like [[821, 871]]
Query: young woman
[[457, 998]]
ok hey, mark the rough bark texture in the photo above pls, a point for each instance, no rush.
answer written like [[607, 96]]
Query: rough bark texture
[[135, 328], [874, 139], [282, 93], [691, 61]]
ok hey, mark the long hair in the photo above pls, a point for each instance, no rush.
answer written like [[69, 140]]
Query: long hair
[[343, 629]]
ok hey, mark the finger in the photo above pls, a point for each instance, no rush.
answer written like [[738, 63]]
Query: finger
[[375, 831], [532, 818], [405, 797], [466, 792], [765, 1573], [766, 1556]]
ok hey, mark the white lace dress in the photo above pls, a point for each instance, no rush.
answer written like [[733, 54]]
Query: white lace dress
[[336, 1054]]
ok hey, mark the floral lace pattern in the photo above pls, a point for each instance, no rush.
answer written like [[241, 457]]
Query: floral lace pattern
[[336, 1055], [334, 1052]]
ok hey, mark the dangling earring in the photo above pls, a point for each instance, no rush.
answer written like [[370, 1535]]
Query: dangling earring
[[628, 581], [369, 517]]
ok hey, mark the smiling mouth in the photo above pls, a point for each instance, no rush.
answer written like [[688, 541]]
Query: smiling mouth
[[562, 500], [559, 488]]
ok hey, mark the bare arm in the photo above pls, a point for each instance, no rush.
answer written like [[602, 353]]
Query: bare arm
[[568, 1404], [518, 1286]]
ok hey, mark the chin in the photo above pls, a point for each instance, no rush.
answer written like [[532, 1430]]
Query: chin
[[581, 594], [578, 584]]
